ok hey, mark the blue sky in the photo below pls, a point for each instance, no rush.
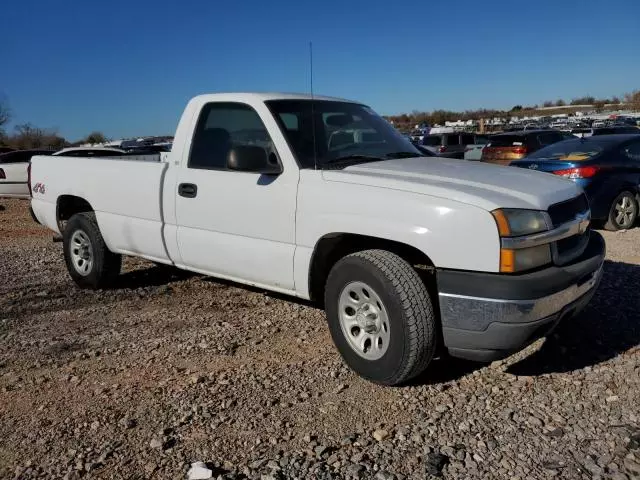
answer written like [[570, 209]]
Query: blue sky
[[128, 67]]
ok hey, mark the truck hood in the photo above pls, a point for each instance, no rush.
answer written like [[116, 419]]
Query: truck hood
[[480, 184]]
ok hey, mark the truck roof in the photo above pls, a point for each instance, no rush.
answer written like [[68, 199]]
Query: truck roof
[[265, 96]]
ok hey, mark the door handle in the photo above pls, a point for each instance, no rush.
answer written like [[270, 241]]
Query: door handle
[[188, 190]]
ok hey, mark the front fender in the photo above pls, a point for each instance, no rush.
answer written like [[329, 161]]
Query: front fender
[[453, 235]]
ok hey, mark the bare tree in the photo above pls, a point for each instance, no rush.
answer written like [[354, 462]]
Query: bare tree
[[29, 136], [633, 99], [95, 137]]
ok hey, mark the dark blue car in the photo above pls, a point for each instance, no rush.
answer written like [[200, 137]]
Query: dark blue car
[[607, 167]]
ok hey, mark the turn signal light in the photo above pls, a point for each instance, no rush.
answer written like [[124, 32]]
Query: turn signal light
[[507, 261], [502, 222]]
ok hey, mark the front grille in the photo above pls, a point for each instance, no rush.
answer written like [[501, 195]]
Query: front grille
[[566, 211], [569, 248]]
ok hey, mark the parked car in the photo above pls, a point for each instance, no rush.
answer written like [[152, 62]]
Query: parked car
[[615, 130], [474, 151], [13, 172], [370, 230], [625, 121], [504, 148], [6, 149], [90, 152], [607, 167], [449, 145]]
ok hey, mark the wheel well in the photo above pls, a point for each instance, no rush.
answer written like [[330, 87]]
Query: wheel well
[[68, 206], [333, 247]]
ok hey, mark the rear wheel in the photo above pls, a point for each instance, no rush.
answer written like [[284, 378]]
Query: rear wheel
[[623, 212], [89, 262], [380, 316]]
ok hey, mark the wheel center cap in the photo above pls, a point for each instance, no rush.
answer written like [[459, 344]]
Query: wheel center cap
[[366, 322]]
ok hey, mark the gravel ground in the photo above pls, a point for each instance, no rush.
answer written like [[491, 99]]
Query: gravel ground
[[172, 368]]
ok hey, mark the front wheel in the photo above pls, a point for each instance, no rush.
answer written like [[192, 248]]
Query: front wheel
[[380, 316], [623, 212], [89, 262]]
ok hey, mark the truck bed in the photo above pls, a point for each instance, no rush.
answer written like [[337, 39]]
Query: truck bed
[[124, 192]]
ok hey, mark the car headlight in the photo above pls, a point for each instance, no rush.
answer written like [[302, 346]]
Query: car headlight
[[515, 223], [512, 261]]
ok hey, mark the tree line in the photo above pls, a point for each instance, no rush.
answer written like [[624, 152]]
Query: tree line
[[28, 136], [630, 101]]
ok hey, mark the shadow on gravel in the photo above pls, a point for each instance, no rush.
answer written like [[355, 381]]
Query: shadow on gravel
[[155, 276], [609, 326], [445, 369], [52, 298]]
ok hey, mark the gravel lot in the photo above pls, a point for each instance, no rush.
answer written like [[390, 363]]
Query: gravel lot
[[172, 368]]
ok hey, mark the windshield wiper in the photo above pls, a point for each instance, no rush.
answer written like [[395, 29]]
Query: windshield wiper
[[354, 158], [394, 155]]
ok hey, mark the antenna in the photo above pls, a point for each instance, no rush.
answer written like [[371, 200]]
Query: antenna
[[311, 66], [313, 113]]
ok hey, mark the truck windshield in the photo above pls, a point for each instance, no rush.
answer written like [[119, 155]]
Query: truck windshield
[[344, 132]]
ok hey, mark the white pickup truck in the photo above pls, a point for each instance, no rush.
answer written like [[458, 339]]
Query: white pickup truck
[[406, 253]]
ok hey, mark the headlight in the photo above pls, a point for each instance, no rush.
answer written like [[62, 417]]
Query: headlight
[[524, 259], [513, 222]]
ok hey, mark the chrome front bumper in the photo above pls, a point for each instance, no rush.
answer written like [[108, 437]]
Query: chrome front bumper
[[488, 316], [474, 313]]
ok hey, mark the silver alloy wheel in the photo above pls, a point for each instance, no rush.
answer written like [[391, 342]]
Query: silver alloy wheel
[[81, 253], [624, 212], [364, 320]]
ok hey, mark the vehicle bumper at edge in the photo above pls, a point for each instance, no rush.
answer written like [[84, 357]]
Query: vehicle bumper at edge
[[487, 316]]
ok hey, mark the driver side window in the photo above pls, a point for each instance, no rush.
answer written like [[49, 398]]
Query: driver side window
[[223, 126]]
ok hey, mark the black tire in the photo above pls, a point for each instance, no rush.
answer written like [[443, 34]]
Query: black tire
[[105, 266], [615, 221], [412, 337]]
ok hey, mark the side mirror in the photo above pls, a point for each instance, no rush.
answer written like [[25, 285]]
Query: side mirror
[[251, 158]]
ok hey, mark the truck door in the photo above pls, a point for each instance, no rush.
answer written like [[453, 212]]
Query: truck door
[[235, 224]]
